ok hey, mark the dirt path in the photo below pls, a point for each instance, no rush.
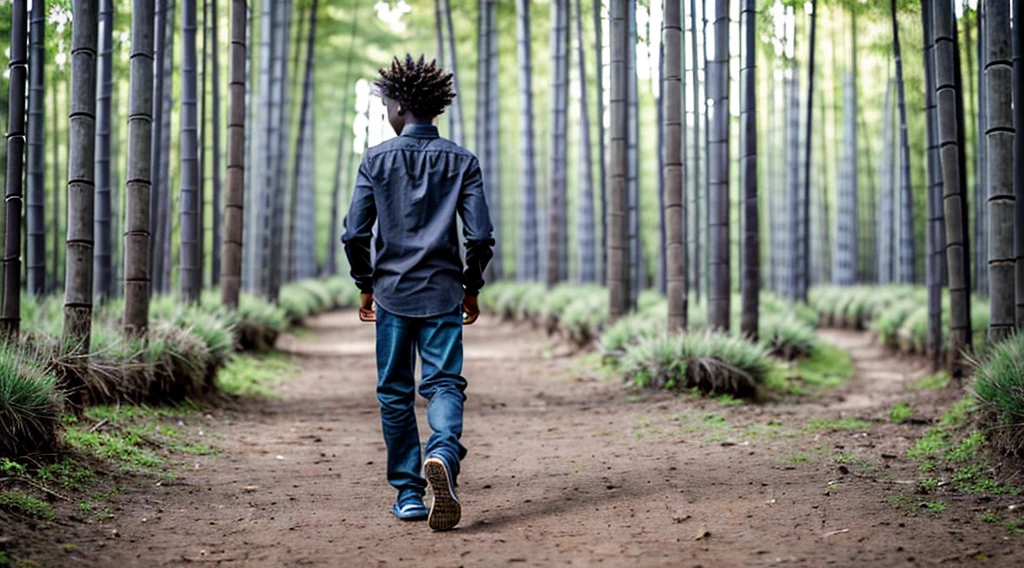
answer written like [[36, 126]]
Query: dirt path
[[563, 469]]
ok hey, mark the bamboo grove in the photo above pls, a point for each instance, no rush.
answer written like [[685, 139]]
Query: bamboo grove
[[700, 148]]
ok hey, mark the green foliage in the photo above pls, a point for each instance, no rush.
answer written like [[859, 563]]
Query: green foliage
[[584, 316], [24, 504], [709, 362], [840, 425], [967, 449], [999, 390], [937, 381], [934, 507], [67, 473], [630, 330], [957, 413], [259, 323], [179, 358], [856, 306], [10, 467], [827, 367], [930, 446], [960, 452], [122, 446], [891, 320], [901, 413], [215, 326], [254, 375], [30, 404], [300, 300], [897, 313], [786, 336]]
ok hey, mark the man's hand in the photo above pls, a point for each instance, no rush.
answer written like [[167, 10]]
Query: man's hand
[[366, 312], [470, 310]]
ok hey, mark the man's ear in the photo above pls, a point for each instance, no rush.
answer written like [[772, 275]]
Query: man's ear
[[401, 111]]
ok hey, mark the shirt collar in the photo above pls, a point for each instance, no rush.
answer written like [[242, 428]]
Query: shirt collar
[[420, 131]]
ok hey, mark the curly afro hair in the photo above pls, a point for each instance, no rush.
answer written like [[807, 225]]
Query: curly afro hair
[[423, 88]]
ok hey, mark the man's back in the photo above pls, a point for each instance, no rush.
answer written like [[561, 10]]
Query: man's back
[[413, 186]]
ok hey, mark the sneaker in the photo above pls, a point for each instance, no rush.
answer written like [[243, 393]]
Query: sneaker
[[409, 507], [445, 510]]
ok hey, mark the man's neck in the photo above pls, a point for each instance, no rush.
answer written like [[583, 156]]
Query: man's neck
[[413, 120]]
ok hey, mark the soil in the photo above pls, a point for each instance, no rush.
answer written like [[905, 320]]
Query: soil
[[565, 469]]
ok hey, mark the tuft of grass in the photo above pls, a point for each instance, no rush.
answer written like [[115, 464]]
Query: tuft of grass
[[67, 473], [967, 449], [10, 467], [937, 381], [125, 447], [889, 323], [933, 506], [827, 367], [957, 414], [584, 317], [30, 404], [963, 454], [727, 400], [27, 505], [841, 425], [629, 330], [900, 413], [999, 390], [254, 375], [259, 323], [786, 337], [712, 363], [930, 446]]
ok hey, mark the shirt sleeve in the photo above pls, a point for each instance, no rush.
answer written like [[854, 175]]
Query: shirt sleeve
[[362, 214], [476, 228]]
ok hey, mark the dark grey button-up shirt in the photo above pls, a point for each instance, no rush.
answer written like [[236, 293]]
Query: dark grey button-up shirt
[[413, 186]]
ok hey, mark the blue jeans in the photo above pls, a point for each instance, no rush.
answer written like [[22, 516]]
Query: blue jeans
[[439, 342]]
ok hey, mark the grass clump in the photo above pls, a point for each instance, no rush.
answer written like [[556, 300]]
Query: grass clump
[[827, 367], [123, 446], [584, 317], [30, 404], [891, 320], [999, 390], [840, 425], [630, 330], [900, 413], [259, 323], [712, 363], [787, 337], [961, 450], [254, 375], [67, 473], [937, 381], [24, 504]]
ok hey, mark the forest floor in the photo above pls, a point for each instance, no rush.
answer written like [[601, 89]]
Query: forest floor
[[564, 468]]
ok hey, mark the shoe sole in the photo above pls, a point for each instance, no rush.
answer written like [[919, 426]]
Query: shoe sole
[[445, 510]]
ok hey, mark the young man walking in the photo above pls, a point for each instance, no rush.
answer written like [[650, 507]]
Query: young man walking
[[412, 187]]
